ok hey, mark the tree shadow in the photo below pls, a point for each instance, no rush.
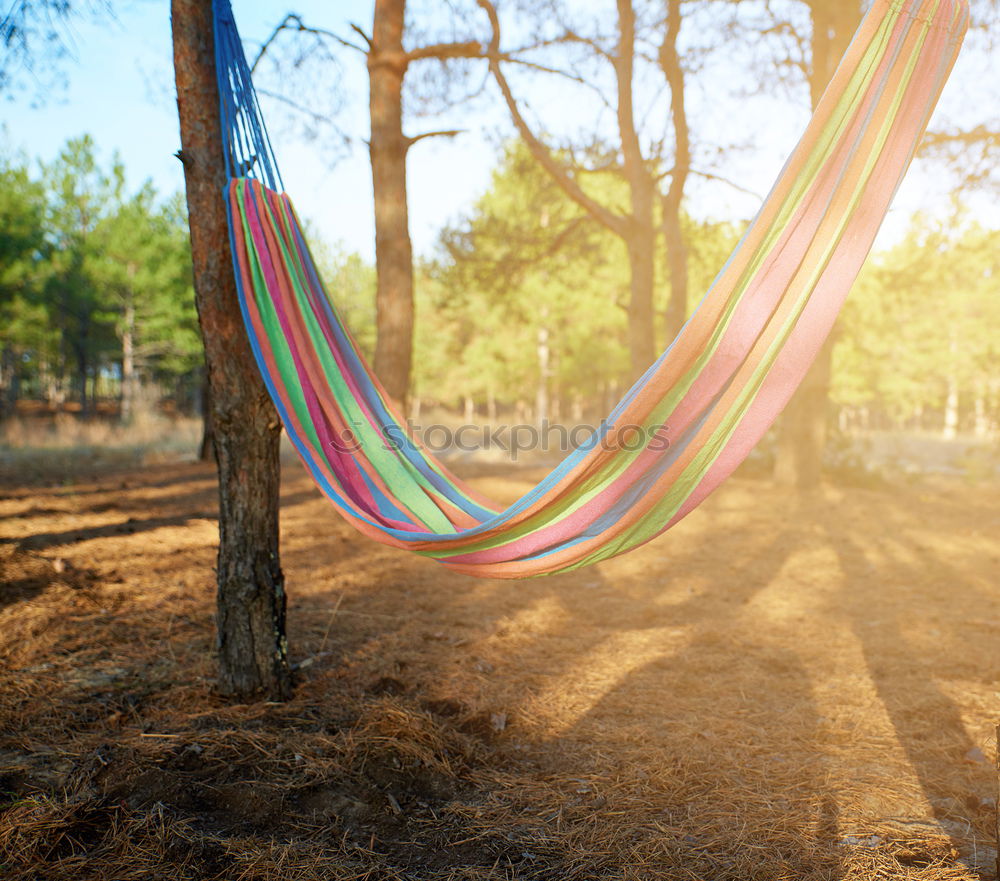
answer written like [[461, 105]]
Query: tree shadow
[[641, 707], [951, 769], [707, 728], [44, 540]]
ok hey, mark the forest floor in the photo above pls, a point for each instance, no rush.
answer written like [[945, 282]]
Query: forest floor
[[780, 688]]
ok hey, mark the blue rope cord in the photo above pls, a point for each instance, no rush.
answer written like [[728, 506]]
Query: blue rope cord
[[247, 145]]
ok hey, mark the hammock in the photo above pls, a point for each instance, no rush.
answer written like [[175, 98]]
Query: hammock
[[697, 411]]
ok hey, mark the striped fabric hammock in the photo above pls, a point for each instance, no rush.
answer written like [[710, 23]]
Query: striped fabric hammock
[[701, 406]]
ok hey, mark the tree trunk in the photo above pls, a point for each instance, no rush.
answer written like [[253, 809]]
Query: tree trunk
[[641, 257], [393, 252], [802, 437], [640, 239], [542, 388], [81, 380], [950, 431], [129, 390], [802, 429], [251, 597], [673, 232], [491, 406], [981, 426], [9, 382], [206, 449]]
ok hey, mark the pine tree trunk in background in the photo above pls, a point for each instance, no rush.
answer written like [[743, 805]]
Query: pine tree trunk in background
[[802, 428], [251, 596], [981, 426], [81, 379], [393, 251], [641, 257], [950, 431], [640, 237], [8, 382], [951, 401], [129, 390], [673, 231], [544, 353]]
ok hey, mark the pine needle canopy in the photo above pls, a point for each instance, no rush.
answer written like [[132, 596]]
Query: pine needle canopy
[[698, 410]]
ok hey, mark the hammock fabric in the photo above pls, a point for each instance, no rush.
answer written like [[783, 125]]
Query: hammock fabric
[[701, 406]]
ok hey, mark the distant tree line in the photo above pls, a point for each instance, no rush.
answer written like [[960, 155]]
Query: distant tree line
[[522, 312], [96, 302], [918, 347]]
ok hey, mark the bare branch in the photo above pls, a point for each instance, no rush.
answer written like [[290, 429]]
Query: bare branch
[[293, 22], [511, 57], [725, 180], [475, 49], [563, 179], [572, 37], [368, 40], [450, 133], [316, 117], [981, 134], [442, 51]]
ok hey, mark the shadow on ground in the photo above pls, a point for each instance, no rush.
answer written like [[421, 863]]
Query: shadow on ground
[[776, 689]]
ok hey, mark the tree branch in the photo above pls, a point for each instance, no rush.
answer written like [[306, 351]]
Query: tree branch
[[294, 22], [475, 49], [306, 111], [563, 179], [441, 51], [368, 40], [572, 37], [981, 134], [450, 133], [725, 180]]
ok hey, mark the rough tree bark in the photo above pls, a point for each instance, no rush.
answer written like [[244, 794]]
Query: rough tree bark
[[387, 62], [252, 649], [206, 449], [802, 429]]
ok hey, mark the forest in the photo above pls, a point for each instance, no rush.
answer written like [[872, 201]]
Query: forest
[[482, 667], [521, 311], [97, 306]]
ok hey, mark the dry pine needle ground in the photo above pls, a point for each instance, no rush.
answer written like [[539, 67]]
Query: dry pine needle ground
[[775, 690]]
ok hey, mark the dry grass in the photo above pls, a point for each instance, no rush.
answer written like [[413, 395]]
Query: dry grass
[[776, 690], [43, 449]]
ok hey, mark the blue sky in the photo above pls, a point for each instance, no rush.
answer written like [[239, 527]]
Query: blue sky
[[120, 89]]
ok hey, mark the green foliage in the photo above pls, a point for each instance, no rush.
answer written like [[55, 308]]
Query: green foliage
[[36, 37], [922, 320], [528, 264], [84, 266], [145, 271], [351, 284], [23, 254]]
